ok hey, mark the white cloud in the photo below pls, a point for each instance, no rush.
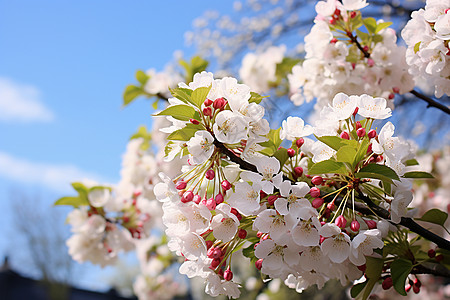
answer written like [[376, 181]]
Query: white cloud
[[21, 103], [54, 177]]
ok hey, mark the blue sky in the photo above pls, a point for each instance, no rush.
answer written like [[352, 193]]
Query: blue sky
[[63, 68]]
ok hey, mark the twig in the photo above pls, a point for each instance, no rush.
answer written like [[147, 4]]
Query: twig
[[431, 102]]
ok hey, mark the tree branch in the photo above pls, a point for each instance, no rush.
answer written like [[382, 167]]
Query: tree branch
[[431, 102]]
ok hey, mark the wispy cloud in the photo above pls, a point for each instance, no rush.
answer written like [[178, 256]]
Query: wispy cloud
[[21, 103], [54, 177]]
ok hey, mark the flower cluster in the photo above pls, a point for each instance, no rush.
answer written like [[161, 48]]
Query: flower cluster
[[342, 58], [293, 209], [427, 35]]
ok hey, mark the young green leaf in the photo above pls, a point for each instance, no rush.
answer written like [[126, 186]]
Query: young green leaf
[[281, 155], [400, 269], [357, 289], [328, 166], [382, 26], [131, 92], [180, 112], [417, 174], [346, 154], [199, 95], [182, 94], [72, 201], [142, 77], [381, 170], [371, 24], [361, 153], [336, 142], [434, 216], [183, 134], [411, 162], [374, 267], [255, 97], [373, 176]]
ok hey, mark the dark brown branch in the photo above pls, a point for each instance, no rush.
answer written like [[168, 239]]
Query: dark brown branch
[[234, 158], [354, 39], [434, 269], [431, 102]]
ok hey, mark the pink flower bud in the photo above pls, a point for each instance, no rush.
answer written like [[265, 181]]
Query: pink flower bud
[[354, 226], [369, 148], [236, 213], [372, 133], [262, 194], [258, 263], [332, 21], [180, 185], [361, 132], [371, 224], [259, 234], [219, 103], [211, 204], [387, 283], [370, 62], [391, 96], [197, 199], [194, 121], [331, 206], [298, 171], [187, 197], [396, 90], [207, 111], [333, 41], [219, 198], [228, 275], [358, 125], [242, 233], [215, 262], [314, 192], [226, 185], [208, 102], [317, 180], [210, 174], [210, 252], [344, 135], [299, 142], [271, 200], [291, 152], [209, 244], [341, 222], [380, 158], [217, 253], [353, 14], [316, 203], [356, 109], [366, 48]]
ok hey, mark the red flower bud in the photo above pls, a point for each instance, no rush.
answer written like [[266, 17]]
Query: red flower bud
[[258, 263], [211, 204], [387, 283], [316, 203], [431, 253], [219, 198], [236, 213], [362, 268], [194, 121], [396, 90], [180, 185], [340, 221], [291, 152], [210, 174], [207, 111], [271, 200], [300, 142], [358, 125], [219, 103], [361, 132], [317, 180], [226, 185], [357, 108], [196, 199], [242, 233], [344, 135], [187, 197], [298, 171], [208, 102], [228, 275], [314, 192], [353, 14], [371, 224], [372, 133], [391, 96], [333, 41], [354, 226]]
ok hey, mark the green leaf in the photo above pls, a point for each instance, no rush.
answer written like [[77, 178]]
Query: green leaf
[[357, 289], [411, 162], [336, 142], [281, 155], [249, 251], [362, 151], [255, 97], [346, 154], [374, 267], [142, 77], [417, 47], [371, 24], [183, 134], [182, 94], [417, 174], [196, 65], [373, 176], [131, 92], [380, 169], [180, 112], [199, 95], [328, 166], [382, 26], [155, 104], [434, 216], [72, 201], [400, 269], [145, 135]]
